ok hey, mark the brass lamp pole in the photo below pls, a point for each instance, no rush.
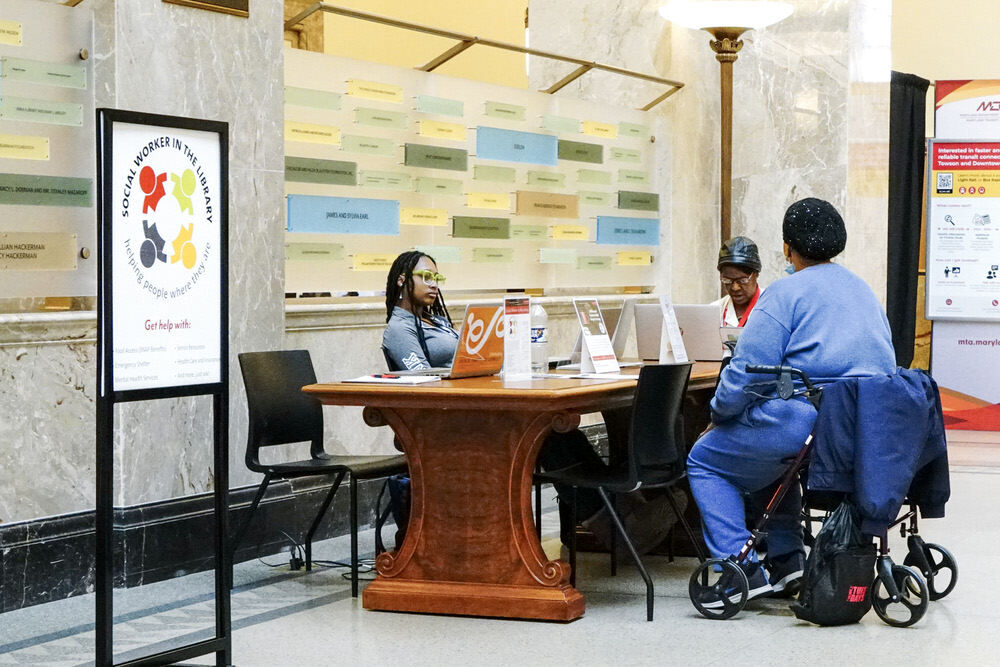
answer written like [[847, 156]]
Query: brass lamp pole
[[727, 45]]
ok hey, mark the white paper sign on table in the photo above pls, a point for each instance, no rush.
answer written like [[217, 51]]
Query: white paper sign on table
[[671, 343], [517, 338], [597, 353]]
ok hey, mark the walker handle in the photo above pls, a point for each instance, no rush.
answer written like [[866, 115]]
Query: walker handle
[[785, 374]]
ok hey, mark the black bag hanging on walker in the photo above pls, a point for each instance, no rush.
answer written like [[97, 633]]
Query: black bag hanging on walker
[[837, 583]]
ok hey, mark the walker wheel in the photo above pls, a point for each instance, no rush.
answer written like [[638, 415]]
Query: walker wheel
[[912, 603], [942, 573], [719, 589]]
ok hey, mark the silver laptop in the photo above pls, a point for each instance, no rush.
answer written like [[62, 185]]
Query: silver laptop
[[699, 325]]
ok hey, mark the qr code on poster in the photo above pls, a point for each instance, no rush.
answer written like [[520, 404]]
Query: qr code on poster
[[944, 183]]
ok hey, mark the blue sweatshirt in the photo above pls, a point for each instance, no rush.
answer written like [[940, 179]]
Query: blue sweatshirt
[[823, 320]]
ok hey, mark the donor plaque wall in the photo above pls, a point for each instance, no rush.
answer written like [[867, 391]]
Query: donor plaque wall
[[47, 229], [505, 188]]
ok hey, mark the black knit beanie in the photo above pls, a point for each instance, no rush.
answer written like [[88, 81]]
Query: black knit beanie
[[814, 229]]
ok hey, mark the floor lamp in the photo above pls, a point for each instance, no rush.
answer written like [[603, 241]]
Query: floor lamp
[[726, 21]]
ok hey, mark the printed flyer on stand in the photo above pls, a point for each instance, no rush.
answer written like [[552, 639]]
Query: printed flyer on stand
[[963, 240], [166, 260]]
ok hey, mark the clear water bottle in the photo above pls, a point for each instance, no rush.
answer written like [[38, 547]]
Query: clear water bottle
[[539, 339]]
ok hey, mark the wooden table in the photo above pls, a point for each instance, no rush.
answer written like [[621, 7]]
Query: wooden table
[[471, 444]]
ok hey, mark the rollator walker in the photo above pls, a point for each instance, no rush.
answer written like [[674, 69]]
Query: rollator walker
[[900, 593]]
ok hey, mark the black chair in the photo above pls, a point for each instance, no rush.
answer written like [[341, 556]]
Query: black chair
[[655, 459], [280, 414]]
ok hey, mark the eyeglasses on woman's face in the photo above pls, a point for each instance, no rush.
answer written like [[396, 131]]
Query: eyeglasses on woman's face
[[745, 280], [429, 278]]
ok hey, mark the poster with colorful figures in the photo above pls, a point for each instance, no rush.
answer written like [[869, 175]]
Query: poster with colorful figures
[[167, 215], [963, 230]]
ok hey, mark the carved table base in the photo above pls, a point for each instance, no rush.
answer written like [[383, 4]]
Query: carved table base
[[471, 546]]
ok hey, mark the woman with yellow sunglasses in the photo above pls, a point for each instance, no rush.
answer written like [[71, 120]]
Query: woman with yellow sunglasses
[[419, 332]]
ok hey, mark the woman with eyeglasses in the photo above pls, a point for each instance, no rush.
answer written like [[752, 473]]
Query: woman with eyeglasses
[[739, 265], [419, 332]]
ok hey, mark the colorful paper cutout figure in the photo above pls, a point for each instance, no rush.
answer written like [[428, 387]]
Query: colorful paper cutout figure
[[184, 250], [183, 189], [152, 248], [152, 184]]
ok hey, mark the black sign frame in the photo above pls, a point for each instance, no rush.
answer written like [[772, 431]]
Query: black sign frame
[[107, 398]]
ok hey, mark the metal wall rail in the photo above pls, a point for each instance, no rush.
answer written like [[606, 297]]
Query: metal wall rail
[[465, 42]]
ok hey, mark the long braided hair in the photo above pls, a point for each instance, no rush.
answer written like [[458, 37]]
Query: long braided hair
[[404, 266]]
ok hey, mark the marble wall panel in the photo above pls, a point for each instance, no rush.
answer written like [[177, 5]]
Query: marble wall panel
[[210, 65], [47, 403], [160, 58]]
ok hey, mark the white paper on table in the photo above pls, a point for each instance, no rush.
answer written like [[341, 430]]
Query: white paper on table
[[671, 343], [597, 354], [517, 338]]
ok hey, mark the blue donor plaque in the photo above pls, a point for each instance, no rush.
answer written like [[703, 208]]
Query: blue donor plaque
[[612, 230], [342, 215], [495, 144]]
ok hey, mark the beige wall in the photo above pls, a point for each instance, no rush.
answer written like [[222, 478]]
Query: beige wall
[[500, 20], [945, 40]]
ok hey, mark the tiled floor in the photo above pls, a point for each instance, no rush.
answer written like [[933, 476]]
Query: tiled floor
[[283, 618]]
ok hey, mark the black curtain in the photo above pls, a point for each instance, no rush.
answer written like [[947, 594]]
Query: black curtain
[[907, 141]]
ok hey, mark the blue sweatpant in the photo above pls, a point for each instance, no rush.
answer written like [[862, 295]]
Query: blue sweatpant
[[745, 455]]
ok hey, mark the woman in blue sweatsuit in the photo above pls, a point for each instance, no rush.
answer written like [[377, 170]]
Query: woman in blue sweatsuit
[[822, 319]]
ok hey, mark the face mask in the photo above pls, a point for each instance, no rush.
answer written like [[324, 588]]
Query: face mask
[[789, 268]]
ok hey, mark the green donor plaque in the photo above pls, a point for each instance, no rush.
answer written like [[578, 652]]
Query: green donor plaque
[[40, 111], [546, 179], [317, 99], [439, 105], [626, 154], [436, 157], [438, 186], [470, 227], [313, 252], [380, 118], [387, 180], [593, 177], [328, 172], [504, 110], [560, 123], [593, 262], [596, 198], [483, 172], [633, 177], [526, 232], [639, 201], [46, 74], [352, 143], [579, 151], [30, 190], [502, 255], [633, 130]]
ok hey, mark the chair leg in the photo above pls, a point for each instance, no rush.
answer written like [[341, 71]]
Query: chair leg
[[614, 541], [632, 551], [572, 539], [238, 537], [319, 517], [687, 529], [354, 537]]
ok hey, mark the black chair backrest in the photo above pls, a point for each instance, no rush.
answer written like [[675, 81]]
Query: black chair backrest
[[280, 413], [388, 362], [655, 440]]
